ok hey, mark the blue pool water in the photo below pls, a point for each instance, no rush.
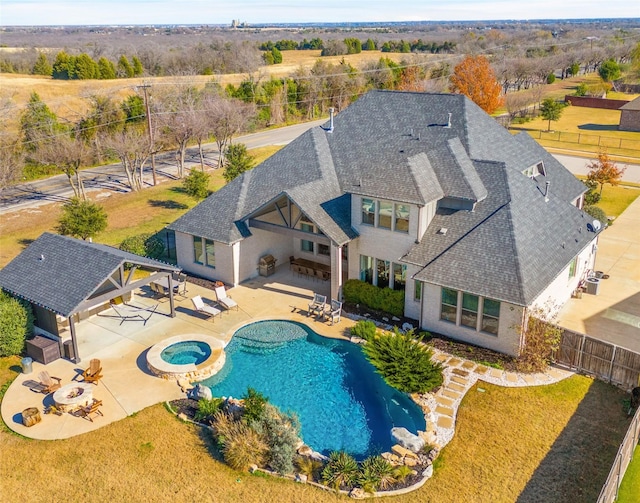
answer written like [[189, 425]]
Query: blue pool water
[[342, 403], [182, 353]]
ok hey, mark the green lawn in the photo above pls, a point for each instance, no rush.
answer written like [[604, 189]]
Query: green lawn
[[629, 491]]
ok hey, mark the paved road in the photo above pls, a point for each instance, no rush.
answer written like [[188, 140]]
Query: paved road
[[111, 177]]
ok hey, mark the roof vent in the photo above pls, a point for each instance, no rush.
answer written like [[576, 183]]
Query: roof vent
[[331, 111], [442, 230], [41, 259], [448, 126], [546, 191]]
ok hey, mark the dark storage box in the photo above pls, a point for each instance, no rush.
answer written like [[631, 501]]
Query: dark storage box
[[43, 350]]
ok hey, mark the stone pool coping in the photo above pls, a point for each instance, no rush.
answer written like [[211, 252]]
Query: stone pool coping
[[189, 371]]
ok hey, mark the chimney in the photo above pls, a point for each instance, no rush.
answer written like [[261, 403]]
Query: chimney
[[331, 110], [448, 126], [546, 191]]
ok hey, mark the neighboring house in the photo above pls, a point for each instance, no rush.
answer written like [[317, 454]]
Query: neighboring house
[[67, 280], [630, 116], [429, 195]]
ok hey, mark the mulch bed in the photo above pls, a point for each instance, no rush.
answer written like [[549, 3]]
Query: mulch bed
[[186, 406]]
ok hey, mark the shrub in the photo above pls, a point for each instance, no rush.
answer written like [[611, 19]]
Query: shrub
[[309, 467], [542, 338], [145, 245], [254, 405], [581, 89], [197, 184], [376, 472], [365, 329], [551, 78], [16, 324], [280, 431], [404, 363], [207, 409], [241, 445], [597, 213], [82, 219], [341, 470], [401, 472], [379, 299]]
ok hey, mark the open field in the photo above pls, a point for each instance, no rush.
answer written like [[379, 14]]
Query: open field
[[547, 443], [630, 487]]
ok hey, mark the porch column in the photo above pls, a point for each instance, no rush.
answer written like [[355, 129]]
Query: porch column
[[235, 259], [171, 302], [74, 341], [336, 272]]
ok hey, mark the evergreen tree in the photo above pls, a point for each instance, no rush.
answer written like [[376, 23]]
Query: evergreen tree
[[369, 45], [124, 68], [86, 68], [38, 123], [134, 109], [551, 110], [42, 66], [64, 66], [138, 69], [106, 69], [237, 161], [82, 219]]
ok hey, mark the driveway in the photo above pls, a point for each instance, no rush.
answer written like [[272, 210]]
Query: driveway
[[613, 315]]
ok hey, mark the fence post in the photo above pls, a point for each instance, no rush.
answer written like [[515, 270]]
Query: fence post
[[613, 357], [581, 352]]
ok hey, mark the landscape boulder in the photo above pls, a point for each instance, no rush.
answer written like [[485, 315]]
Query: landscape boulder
[[199, 392], [407, 439]]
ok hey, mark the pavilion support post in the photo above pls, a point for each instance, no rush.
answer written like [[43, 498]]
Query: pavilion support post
[[171, 301], [336, 272], [74, 340]]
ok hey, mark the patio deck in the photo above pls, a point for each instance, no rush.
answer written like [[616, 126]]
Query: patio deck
[[127, 385]]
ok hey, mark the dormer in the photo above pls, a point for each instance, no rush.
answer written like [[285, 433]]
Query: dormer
[[535, 170]]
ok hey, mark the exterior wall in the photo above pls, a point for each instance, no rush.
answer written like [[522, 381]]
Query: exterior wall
[[411, 306], [559, 291], [507, 341], [425, 215], [223, 270], [262, 243], [629, 120]]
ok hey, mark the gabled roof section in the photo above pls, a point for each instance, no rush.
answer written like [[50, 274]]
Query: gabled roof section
[[510, 248], [59, 272], [426, 179], [632, 105]]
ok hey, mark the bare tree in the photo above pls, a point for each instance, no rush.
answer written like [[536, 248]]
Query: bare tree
[[11, 161], [227, 118], [132, 147]]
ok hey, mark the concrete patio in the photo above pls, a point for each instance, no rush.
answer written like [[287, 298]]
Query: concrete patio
[[128, 386]]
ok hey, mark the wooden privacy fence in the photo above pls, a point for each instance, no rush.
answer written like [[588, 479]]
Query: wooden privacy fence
[[609, 492], [603, 360], [584, 139]]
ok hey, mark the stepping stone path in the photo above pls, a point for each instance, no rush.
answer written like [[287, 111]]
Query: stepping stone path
[[460, 375]]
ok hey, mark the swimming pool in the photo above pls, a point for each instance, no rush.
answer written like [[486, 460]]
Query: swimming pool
[[342, 403]]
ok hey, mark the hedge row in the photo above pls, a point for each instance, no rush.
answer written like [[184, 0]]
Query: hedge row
[[379, 299]]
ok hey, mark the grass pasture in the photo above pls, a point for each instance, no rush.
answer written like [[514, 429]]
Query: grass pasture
[[547, 443]]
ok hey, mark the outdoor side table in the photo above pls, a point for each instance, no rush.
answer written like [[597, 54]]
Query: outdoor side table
[[43, 350]]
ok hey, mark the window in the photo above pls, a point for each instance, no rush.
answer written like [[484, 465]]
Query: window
[[490, 316], [385, 211], [449, 307], [572, 268], [305, 245], [324, 250], [399, 276], [417, 290], [368, 211], [198, 256], [382, 267], [210, 253], [469, 310], [401, 215], [204, 252], [366, 269]]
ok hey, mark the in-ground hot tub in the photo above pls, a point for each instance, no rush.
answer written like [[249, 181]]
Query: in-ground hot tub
[[189, 356]]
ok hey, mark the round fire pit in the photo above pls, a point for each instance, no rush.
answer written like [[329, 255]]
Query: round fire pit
[[72, 396]]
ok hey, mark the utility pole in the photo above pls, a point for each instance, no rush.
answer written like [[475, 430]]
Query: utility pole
[[144, 88]]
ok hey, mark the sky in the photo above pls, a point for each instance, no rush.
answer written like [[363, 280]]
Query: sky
[[146, 12]]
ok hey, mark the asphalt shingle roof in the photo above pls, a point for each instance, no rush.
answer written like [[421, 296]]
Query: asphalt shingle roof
[[60, 272]]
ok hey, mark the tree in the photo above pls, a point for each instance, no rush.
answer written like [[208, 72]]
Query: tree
[[475, 78], [124, 68], [603, 170], [227, 118], [83, 219], [42, 65], [38, 123], [16, 324], [541, 338], [132, 147], [237, 161], [106, 69], [551, 110], [138, 69], [196, 184], [145, 245], [609, 70]]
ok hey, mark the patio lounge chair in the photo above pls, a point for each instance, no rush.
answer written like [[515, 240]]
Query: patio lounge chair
[[128, 312], [91, 409], [333, 311], [201, 307], [223, 300], [48, 384], [317, 306], [92, 374]]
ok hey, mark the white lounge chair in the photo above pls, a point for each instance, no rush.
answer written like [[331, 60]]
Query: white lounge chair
[[201, 307], [317, 306], [333, 312], [223, 300]]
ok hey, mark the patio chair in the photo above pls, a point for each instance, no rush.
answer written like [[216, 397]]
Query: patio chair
[[93, 409], [48, 384], [333, 311], [180, 286], [128, 312], [92, 374], [201, 307], [224, 300], [317, 306], [158, 290]]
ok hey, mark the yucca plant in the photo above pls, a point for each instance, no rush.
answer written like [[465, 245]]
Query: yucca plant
[[207, 408], [400, 473], [376, 472], [404, 363], [341, 470]]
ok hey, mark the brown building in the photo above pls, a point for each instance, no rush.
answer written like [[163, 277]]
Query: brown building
[[630, 116]]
